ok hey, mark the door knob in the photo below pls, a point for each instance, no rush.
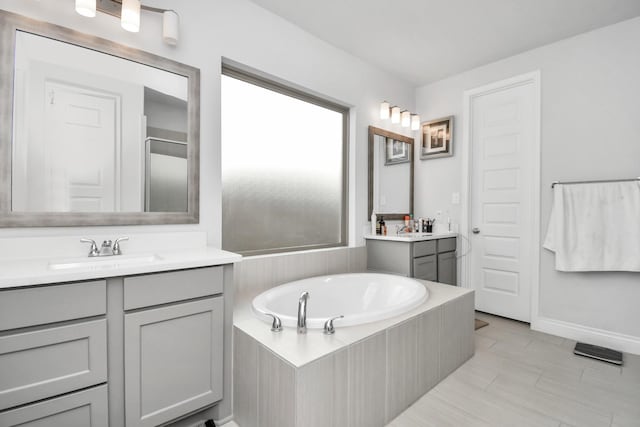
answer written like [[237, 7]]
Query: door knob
[[475, 230]]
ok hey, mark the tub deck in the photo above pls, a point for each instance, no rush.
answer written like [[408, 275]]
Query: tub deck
[[365, 374]]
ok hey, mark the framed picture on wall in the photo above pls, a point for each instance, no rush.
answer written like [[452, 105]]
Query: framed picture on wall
[[396, 152], [437, 138]]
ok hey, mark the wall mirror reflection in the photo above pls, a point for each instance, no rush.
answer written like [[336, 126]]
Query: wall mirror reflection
[[99, 133], [390, 173]]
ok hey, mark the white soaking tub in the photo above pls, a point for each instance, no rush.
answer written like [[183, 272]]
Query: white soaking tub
[[359, 297]]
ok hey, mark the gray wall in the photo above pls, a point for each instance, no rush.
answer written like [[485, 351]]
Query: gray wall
[[590, 130]]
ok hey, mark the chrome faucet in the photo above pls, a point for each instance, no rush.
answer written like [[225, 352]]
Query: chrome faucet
[[106, 249], [302, 313], [403, 229]]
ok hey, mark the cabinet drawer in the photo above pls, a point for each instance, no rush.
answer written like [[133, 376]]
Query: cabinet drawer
[[425, 268], [44, 363], [87, 408], [173, 361], [161, 288], [447, 245], [53, 303], [427, 247]]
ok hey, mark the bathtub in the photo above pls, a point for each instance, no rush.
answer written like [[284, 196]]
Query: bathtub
[[359, 297]]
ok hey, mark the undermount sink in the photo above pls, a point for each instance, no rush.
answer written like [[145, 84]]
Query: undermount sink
[[103, 262]]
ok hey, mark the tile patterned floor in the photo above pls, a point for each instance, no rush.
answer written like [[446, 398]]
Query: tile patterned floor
[[520, 377]]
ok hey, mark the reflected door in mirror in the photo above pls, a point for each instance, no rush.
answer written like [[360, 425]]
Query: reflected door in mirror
[[81, 122]]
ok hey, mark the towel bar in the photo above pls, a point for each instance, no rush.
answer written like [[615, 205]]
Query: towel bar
[[553, 184]]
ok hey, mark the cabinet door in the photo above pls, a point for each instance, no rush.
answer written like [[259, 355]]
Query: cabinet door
[[173, 361], [447, 268], [425, 268], [87, 408]]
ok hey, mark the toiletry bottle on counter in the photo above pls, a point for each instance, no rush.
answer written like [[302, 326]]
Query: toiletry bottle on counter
[[383, 226], [379, 226]]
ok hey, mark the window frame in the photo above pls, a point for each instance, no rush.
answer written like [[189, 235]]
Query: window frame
[[284, 89]]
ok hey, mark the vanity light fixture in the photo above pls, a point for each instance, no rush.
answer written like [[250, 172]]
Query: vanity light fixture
[[415, 122], [405, 118], [385, 110], [395, 115], [129, 13]]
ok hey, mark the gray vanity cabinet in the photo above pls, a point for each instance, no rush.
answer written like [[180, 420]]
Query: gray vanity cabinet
[[128, 351], [433, 260]]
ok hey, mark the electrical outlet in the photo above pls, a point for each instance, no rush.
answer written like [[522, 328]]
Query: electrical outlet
[[455, 198]]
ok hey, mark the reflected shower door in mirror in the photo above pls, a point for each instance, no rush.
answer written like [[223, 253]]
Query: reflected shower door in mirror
[[390, 173], [95, 133]]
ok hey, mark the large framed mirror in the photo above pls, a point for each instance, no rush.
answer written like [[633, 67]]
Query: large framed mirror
[[93, 132], [391, 158]]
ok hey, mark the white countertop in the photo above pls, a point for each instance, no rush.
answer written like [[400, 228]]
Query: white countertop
[[36, 270], [411, 237]]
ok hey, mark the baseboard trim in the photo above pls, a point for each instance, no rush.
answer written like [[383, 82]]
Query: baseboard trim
[[574, 331], [224, 420]]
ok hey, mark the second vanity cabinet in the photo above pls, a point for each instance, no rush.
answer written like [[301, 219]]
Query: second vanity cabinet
[[139, 350], [433, 259]]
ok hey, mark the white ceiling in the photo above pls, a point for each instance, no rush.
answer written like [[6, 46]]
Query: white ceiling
[[423, 41]]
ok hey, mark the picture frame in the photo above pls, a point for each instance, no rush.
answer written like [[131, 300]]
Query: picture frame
[[437, 138], [396, 152]]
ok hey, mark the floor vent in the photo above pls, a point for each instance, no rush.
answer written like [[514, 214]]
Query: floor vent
[[600, 353]]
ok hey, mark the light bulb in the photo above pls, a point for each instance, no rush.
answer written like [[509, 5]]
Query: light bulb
[[170, 27], [415, 122], [406, 118], [130, 17], [395, 115], [86, 8], [384, 110]]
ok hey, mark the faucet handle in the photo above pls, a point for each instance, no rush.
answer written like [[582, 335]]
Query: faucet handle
[[276, 326], [116, 245], [328, 325], [94, 248]]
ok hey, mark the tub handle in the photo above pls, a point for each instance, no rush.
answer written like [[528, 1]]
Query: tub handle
[[276, 325], [328, 325]]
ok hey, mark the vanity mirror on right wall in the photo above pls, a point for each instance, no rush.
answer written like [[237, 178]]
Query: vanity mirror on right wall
[[390, 174]]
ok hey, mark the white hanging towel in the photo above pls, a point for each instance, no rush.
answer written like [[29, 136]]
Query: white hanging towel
[[595, 227]]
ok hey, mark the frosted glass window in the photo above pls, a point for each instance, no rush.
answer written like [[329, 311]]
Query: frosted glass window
[[283, 168]]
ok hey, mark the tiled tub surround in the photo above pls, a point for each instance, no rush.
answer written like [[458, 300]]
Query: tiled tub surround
[[362, 376], [258, 273]]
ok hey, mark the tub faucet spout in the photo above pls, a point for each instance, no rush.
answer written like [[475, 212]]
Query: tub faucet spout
[[302, 313]]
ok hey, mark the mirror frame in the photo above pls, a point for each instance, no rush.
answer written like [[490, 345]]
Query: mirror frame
[[10, 23], [373, 131]]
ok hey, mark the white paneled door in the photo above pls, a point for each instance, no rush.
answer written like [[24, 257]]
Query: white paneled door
[[503, 137]]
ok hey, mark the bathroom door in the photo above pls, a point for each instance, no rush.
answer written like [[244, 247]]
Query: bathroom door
[[82, 149], [503, 231]]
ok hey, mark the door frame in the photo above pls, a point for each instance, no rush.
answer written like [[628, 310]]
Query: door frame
[[465, 199]]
